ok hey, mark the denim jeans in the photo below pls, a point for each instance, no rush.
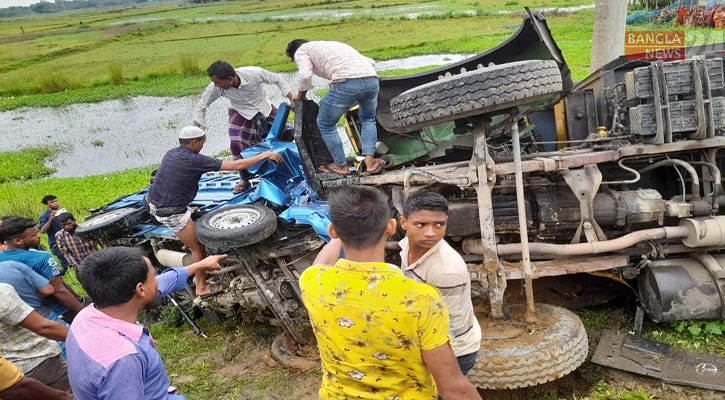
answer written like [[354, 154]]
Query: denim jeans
[[337, 102], [465, 363]]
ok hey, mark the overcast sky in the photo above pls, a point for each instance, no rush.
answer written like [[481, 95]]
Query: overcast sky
[[10, 3]]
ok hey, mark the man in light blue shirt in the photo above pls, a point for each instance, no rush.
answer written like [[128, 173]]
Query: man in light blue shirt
[[32, 288]]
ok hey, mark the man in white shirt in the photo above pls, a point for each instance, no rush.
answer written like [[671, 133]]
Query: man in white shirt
[[426, 257], [250, 113], [352, 80]]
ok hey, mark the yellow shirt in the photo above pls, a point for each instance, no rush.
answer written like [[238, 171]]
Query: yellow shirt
[[9, 374], [371, 324]]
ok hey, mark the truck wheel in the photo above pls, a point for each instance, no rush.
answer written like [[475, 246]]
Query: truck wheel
[[476, 92], [236, 226], [108, 224], [283, 351], [510, 357]]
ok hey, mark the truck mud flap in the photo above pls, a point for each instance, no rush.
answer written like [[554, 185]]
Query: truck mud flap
[[658, 360]]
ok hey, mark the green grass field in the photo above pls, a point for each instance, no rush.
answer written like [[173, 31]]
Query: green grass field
[[91, 56]]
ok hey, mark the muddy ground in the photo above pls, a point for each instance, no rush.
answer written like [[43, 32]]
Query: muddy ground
[[246, 359]]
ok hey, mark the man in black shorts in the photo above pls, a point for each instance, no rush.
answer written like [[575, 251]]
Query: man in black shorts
[[175, 185]]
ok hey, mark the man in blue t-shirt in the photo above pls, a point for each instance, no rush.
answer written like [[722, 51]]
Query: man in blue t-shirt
[[49, 225], [22, 237], [176, 182]]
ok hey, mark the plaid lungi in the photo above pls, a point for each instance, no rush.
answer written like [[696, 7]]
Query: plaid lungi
[[244, 133]]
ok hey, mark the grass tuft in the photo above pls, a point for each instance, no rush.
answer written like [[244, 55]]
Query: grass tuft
[[116, 74], [190, 65], [54, 83]]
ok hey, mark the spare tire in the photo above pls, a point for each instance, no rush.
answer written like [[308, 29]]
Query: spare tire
[[108, 224], [236, 226], [476, 92], [510, 357]]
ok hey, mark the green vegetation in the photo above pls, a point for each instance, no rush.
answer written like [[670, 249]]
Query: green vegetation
[[163, 49], [77, 195], [71, 280], [25, 164], [602, 391], [226, 365]]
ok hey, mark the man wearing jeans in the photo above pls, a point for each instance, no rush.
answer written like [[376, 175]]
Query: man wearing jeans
[[352, 80]]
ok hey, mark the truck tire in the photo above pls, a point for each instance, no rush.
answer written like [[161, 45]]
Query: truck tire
[[476, 92], [556, 347], [108, 224], [236, 226]]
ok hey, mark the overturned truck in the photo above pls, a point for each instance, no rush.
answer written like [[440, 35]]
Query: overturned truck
[[619, 172], [616, 175]]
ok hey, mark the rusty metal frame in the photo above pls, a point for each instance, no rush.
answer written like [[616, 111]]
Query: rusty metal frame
[[566, 266], [485, 169], [462, 173]]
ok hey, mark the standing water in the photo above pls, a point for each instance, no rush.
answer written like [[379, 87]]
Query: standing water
[[114, 135]]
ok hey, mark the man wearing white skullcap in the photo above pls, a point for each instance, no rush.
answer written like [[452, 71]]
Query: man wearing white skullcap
[[175, 185]]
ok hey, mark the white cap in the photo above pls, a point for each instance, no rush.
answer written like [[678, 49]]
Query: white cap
[[191, 132]]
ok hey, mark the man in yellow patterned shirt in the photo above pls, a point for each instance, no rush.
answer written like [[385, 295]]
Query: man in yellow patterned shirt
[[380, 334]]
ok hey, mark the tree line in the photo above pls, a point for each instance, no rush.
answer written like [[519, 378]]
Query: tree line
[[46, 7]]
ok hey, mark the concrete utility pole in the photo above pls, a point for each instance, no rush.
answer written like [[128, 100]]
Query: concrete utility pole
[[610, 21]]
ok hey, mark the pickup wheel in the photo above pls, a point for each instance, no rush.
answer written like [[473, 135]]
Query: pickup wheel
[[510, 357], [236, 226], [108, 224], [476, 92]]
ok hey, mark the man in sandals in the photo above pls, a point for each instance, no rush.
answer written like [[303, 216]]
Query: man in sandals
[[250, 114], [352, 80], [175, 185]]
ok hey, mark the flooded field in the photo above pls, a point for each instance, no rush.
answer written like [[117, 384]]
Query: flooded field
[[403, 11], [97, 138]]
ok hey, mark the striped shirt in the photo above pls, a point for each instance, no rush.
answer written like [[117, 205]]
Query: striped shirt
[[331, 60], [74, 248], [443, 268]]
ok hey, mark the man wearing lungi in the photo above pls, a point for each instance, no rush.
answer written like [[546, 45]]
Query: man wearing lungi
[[250, 114], [175, 186]]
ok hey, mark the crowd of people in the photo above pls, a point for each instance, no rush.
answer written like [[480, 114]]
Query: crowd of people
[[384, 331], [692, 17]]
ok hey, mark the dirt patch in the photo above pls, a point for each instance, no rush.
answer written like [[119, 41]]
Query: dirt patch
[[183, 379], [257, 364], [574, 384]]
